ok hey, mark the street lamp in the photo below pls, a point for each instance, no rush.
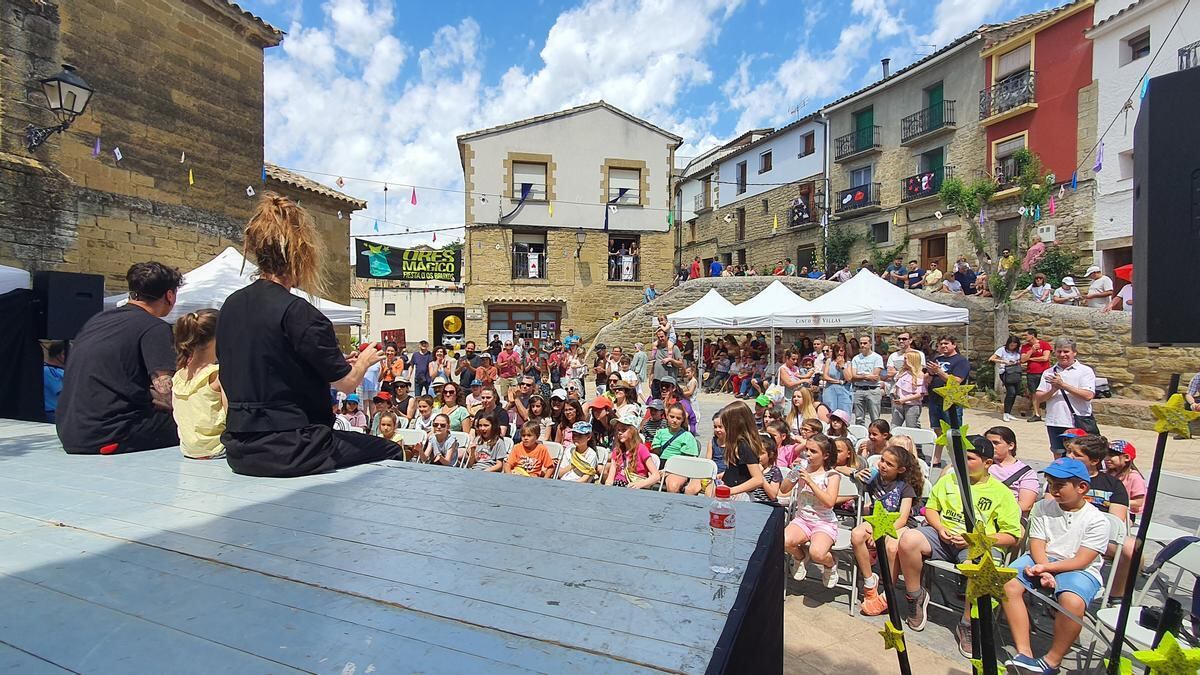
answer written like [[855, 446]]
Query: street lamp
[[580, 239], [67, 96]]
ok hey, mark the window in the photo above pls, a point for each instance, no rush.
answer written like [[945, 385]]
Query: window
[[706, 192], [741, 257], [529, 256], [1012, 63], [389, 308], [766, 206], [540, 327], [624, 254], [629, 180], [741, 177], [808, 144], [531, 173], [740, 229], [1006, 164], [1135, 47], [1125, 163], [860, 176], [764, 162], [879, 233]]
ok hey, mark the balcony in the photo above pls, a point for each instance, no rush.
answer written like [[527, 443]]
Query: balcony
[[858, 198], [925, 184], [528, 265], [1006, 172], [927, 123], [624, 267], [1189, 56], [802, 213], [700, 203], [856, 144], [1008, 98]]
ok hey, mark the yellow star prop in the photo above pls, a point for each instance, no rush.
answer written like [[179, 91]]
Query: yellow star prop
[[977, 667], [1173, 417], [1126, 667], [954, 392], [1169, 658], [979, 542], [892, 638], [984, 578], [883, 522], [944, 439]]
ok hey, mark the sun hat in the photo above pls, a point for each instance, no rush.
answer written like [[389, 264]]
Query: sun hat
[[559, 393], [1068, 281], [1126, 448], [582, 428], [438, 381], [1068, 467], [841, 415], [629, 420]]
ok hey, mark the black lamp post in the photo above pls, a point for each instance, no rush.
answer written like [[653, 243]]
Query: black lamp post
[[67, 96], [580, 238]]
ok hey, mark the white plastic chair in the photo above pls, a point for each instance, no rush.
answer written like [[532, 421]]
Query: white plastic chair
[[1187, 560], [411, 437], [920, 437], [462, 437], [848, 489], [556, 453], [1184, 487], [691, 468], [602, 457], [858, 431]]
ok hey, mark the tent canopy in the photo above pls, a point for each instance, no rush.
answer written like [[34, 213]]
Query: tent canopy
[[12, 278], [209, 284], [868, 300], [704, 313], [774, 306]]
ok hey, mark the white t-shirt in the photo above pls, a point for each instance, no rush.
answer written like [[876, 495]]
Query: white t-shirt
[[1100, 285], [1057, 412], [1065, 532], [1073, 294], [589, 457], [809, 508], [1126, 296], [1008, 358], [1038, 293]]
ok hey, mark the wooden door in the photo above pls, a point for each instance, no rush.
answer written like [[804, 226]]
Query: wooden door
[[936, 96], [933, 249]]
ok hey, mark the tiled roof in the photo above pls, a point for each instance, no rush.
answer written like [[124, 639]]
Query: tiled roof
[[267, 34], [564, 113], [1117, 15], [998, 33], [965, 38], [304, 183]]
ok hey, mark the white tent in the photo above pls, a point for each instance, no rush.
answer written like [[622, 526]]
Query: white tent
[[775, 306], [868, 300], [707, 312], [12, 278], [209, 284]]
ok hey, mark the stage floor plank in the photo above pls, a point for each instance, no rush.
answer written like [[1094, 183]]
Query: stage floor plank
[[152, 563]]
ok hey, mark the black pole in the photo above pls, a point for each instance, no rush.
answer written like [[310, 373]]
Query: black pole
[[1139, 543], [885, 581], [982, 627]]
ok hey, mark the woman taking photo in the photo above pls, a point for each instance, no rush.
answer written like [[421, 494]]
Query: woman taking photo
[[279, 358], [440, 366], [837, 391], [1008, 363]]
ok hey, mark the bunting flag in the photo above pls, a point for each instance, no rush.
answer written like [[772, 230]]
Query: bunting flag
[[671, 219], [1145, 88], [435, 236], [775, 223], [1052, 205], [191, 178], [982, 217], [182, 157], [1099, 157], [413, 199], [96, 148], [249, 191], [1037, 213], [264, 173], [341, 182], [339, 215], [551, 209], [1074, 181], [117, 153], [895, 215], [610, 209], [1022, 210], [1062, 190], [376, 222], [525, 189]]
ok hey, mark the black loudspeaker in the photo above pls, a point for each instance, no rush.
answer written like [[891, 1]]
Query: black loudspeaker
[[1166, 211], [68, 300]]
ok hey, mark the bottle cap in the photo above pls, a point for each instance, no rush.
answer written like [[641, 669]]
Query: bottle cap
[[722, 492]]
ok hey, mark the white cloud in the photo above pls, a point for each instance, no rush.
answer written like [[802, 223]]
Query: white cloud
[[953, 18]]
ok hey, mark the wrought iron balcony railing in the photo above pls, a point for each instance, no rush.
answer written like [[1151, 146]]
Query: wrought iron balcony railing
[[924, 184], [1189, 56], [857, 197], [1011, 92], [931, 119], [856, 142]]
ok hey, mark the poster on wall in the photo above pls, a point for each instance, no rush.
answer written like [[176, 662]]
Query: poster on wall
[[380, 261], [505, 335]]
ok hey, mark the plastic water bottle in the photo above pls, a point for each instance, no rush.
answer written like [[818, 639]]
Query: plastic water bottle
[[721, 521]]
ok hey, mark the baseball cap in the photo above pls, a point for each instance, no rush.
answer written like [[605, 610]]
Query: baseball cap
[[656, 404], [1068, 467], [600, 402], [1126, 448], [352, 398], [382, 396], [559, 394], [476, 383], [763, 400], [486, 355], [629, 420], [983, 447], [1091, 270], [601, 346], [1068, 281], [1073, 433], [582, 428], [667, 379]]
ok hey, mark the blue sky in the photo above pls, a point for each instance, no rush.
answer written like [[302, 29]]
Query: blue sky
[[377, 89]]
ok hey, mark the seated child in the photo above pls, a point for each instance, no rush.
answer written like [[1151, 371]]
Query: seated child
[[815, 525], [530, 458], [1067, 536], [768, 493], [788, 451], [488, 448], [422, 421], [1104, 492], [383, 404], [441, 447], [631, 465], [896, 482], [353, 414], [198, 403], [941, 537], [387, 427], [1120, 466], [655, 419], [581, 463], [1017, 475], [674, 439]]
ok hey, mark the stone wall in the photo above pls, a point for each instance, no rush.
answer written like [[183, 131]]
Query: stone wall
[[1135, 372]]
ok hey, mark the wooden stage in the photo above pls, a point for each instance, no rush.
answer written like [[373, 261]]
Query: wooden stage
[[150, 563]]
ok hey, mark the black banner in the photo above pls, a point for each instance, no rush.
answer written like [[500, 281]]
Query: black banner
[[380, 261]]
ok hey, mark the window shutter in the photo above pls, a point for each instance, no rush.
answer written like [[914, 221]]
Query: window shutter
[[1010, 146], [1012, 62], [535, 174]]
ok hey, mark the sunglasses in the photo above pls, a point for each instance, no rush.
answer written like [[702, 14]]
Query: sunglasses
[[903, 339], [526, 384], [439, 425], [451, 392]]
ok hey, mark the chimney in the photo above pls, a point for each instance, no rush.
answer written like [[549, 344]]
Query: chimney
[[887, 70]]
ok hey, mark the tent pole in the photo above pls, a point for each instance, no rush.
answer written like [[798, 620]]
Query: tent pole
[[700, 366]]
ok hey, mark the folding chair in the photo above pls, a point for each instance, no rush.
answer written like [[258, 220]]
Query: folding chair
[[1175, 485], [691, 468], [848, 489], [602, 457], [858, 431], [556, 452], [464, 439], [412, 437], [920, 437], [1187, 560]]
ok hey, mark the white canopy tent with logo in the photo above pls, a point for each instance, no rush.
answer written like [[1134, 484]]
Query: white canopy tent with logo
[[208, 285], [709, 311]]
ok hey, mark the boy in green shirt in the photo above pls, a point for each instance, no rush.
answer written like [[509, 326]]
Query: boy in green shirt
[[941, 536]]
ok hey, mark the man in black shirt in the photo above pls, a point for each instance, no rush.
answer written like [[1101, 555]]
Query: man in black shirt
[[116, 394], [947, 362]]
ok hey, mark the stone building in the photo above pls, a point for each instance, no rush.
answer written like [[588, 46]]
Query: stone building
[[567, 220], [1124, 39], [755, 200], [179, 91]]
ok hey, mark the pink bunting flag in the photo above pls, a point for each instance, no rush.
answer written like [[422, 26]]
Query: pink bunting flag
[[413, 199], [1052, 206], [96, 148]]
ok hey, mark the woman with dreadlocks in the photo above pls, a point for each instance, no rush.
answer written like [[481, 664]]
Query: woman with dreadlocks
[[280, 358]]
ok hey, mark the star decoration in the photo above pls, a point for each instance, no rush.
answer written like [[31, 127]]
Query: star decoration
[[979, 542], [1169, 658], [1173, 417], [984, 578], [977, 667], [883, 522], [954, 392], [892, 637], [944, 439], [1126, 667]]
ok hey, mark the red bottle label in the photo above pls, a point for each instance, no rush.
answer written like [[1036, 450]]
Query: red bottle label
[[721, 521]]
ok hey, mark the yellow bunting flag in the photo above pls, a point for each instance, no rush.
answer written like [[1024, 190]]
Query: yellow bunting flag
[[551, 209], [775, 225], [191, 178]]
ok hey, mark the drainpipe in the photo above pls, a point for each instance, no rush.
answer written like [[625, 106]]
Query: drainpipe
[[824, 122]]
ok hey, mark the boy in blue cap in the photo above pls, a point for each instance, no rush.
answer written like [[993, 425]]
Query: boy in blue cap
[[1067, 536]]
